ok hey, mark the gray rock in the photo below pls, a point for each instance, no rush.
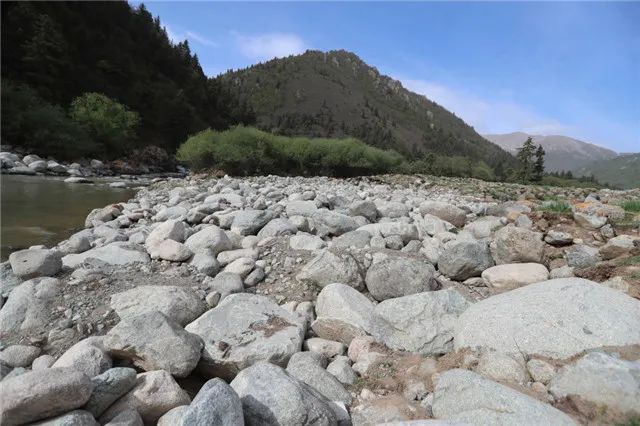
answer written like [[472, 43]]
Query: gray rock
[[42, 394], [175, 230], [73, 418], [558, 238], [385, 410], [537, 319], [19, 355], [463, 396], [589, 221], [225, 283], [171, 250], [28, 305], [306, 242], [618, 246], [331, 223], [601, 379], [87, 356], [357, 238], [118, 253], [154, 393], [540, 370], [32, 263], [215, 404], [364, 208], [295, 403], [205, 262], [254, 277], [392, 209], [173, 417], [582, 256], [126, 418], [277, 227], [341, 370], [327, 348], [396, 276], [482, 227], [462, 259], [517, 245], [328, 267], [211, 239], [242, 266], [98, 216], [248, 222], [510, 276], [109, 387], [309, 368], [244, 329], [502, 367], [562, 272], [8, 280], [173, 212], [226, 257], [444, 211], [42, 362], [181, 304], [152, 341], [421, 323], [38, 166]]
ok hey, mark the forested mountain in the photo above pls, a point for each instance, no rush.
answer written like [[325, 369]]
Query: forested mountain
[[622, 171], [53, 52], [336, 94], [562, 152]]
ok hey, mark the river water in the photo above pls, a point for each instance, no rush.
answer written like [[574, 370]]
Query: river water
[[44, 210]]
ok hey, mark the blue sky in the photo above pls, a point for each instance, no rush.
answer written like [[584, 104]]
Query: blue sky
[[545, 68]]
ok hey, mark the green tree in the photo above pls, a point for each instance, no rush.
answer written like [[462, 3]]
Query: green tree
[[524, 156], [538, 166], [106, 121]]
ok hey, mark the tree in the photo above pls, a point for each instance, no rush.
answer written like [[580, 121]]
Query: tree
[[524, 156], [106, 121], [538, 166]]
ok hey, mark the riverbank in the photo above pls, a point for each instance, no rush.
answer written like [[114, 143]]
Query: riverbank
[[385, 298]]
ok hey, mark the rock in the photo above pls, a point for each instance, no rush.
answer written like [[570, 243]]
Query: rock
[[421, 323], [357, 238], [466, 397], [582, 256], [73, 418], [540, 371], [181, 304], [256, 276], [306, 242], [331, 223], [462, 259], [510, 276], [226, 257], [172, 251], [392, 209], [327, 348], [215, 404], [341, 370], [210, 238], [154, 393], [328, 267], [28, 305], [225, 283], [97, 164], [343, 313], [42, 394], [563, 272], [118, 253], [517, 245], [152, 341], [86, 356], [8, 280], [589, 221], [242, 266], [99, 216], [502, 367], [19, 355], [248, 222], [364, 208], [558, 238], [309, 368], [205, 262], [173, 212], [601, 379], [175, 230], [32, 263], [397, 276], [617, 283], [38, 166], [295, 403], [126, 418], [536, 319], [173, 417], [42, 362], [387, 410], [244, 329], [482, 227], [277, 227], [109, 387], [77, 179], [618, 246], [444, 211]]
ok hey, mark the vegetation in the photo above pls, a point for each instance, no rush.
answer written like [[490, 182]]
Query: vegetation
[[631, 206], [621, 172], [557, 207]]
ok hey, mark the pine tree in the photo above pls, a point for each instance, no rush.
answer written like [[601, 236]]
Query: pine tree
[[524, 156], [538, 166]]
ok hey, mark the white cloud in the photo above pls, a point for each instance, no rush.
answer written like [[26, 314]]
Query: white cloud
[[178, 36], [487, 116], [270, 45], [192, 35]]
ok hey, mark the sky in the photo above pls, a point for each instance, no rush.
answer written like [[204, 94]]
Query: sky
[[569, 68]]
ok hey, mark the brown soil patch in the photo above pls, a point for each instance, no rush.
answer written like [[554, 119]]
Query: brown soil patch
[[270, 326]]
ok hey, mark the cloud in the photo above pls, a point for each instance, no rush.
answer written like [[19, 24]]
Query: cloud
[[270, 45], [192, 35], [177, 36], [487, 116]]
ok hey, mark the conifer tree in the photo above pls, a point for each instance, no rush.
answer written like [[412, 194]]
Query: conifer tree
[[538, 166], [524, 156]]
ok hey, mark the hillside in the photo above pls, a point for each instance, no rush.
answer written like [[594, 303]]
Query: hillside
[[622, 171], [336, 94], [562, 152]]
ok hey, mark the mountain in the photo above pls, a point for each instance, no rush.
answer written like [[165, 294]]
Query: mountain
[[622, 171], [562, 152], [336, 94]]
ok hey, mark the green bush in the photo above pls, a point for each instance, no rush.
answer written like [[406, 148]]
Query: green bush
[[245, 150]]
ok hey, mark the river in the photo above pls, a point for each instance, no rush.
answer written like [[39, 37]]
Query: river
[[44, 210]]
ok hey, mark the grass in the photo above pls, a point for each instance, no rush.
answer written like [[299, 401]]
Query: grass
[[631, 206], [557, 207], [629, 261]]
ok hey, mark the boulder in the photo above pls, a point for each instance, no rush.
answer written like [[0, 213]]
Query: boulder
[[225, 283], [19, 355], [462, 259], [392, 209], [364, 208], [173, 417], [152, 341], [205, 262], [357, 238], [277, 227], [582, 256], [248, 222], [538, 318], [118, 253], [42, 394], [211, 238], [558, 238], [517, 245], [306, 242], [510, 276], [171, 250], [466, 397], [87, 356], [97, 216], [309, 368], [389, 410], [181, 304], [482, 227], [244, 329], [327, 348], [330, 267], [73, 418], [32, 263], [618, 246], [154, 393], [173, 212], [421, 323], [127, 417], [331, 223], [589, 221], [502, 367], [341, 370], [215, 404], [226, 257], [8, 280], [295, 403], [444, 211], [28, 305], [175, 230], [38, 166], [108, 387], [396, 276]]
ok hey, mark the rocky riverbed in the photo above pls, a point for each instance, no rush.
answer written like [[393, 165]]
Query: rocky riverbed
[[292, 301]]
